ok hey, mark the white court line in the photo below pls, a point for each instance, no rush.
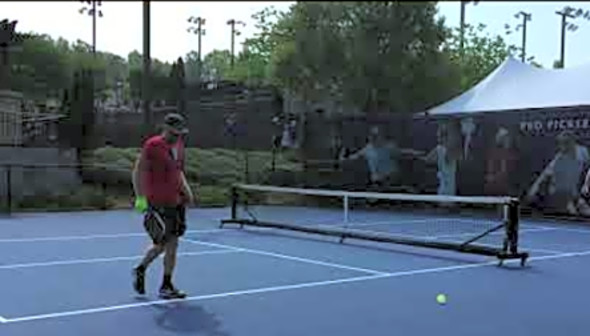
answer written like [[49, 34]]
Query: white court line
[[192, 298], [398, 221], [563, 255], [3, 320], [459, 235], [531, 227], [401, 222], [565, 229], [314, 284], [526, 248], [286, 257], [530, 223], [403, 235], [101, 260], [383, 222], [87, 237]]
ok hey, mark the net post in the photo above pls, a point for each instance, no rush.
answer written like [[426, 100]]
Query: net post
[[345, 206], [234, 205], [105, 195], [512, 224], [9, 189]]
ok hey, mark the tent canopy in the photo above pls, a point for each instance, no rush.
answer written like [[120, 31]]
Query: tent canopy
[[518, 86]]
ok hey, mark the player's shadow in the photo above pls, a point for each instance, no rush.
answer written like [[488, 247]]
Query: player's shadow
[[187, 318]]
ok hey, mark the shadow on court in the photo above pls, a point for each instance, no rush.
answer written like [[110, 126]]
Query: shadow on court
[[186, 318]]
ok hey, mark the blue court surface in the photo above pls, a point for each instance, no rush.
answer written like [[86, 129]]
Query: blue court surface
[[68, 274]]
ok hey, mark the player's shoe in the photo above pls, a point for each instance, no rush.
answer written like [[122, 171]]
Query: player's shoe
[[170, 292], [139, 281]]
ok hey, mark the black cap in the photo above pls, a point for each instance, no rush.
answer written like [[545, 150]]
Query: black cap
[[176, 122]]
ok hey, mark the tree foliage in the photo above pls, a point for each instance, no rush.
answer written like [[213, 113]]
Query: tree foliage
[[372, 56], [216, 65], [482, 53], [191, 67], [376, 56], [159, 77], [41, 67], [253, 64], [45, 67]]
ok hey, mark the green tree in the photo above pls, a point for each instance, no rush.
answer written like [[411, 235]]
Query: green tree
[[255, 63], [115, 70], [217, 65], [45, 68], [249, 68], [482, 54], [134, 60], [265, 40], [376, 56], [159, 79], [134, 64], [191, 64], [41, 68]]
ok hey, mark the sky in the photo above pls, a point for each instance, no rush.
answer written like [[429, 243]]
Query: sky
[[119, 31]]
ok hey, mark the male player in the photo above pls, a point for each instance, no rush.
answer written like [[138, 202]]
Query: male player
[[158, 178]]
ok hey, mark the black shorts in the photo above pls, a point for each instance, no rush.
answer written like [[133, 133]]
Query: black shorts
[[162, 223]]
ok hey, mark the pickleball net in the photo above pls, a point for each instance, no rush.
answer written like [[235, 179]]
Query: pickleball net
[[456, 223]]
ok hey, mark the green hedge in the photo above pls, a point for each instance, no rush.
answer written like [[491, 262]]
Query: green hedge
[[210, 171], [86, 197], [213, 171]]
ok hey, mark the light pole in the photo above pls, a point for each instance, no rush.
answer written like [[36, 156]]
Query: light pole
[[199, 31], [234, 33], [525, 18], [91, 10], [462, 25], [145, 92], [565, 13]]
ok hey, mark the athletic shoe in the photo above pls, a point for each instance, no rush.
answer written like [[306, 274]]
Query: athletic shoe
[[169, 292], [139, 281]]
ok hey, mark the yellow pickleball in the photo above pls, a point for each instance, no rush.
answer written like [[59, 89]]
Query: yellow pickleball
[[441, 299], [141, 204]]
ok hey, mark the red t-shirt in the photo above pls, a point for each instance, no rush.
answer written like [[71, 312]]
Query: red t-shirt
[[164, 163]]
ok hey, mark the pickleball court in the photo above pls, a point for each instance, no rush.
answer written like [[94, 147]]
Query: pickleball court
[[69, 274]]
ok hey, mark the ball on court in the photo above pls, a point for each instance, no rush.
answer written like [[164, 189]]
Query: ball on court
[[441, 298]]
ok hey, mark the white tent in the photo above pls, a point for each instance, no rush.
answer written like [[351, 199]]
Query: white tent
[[519, 86]]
